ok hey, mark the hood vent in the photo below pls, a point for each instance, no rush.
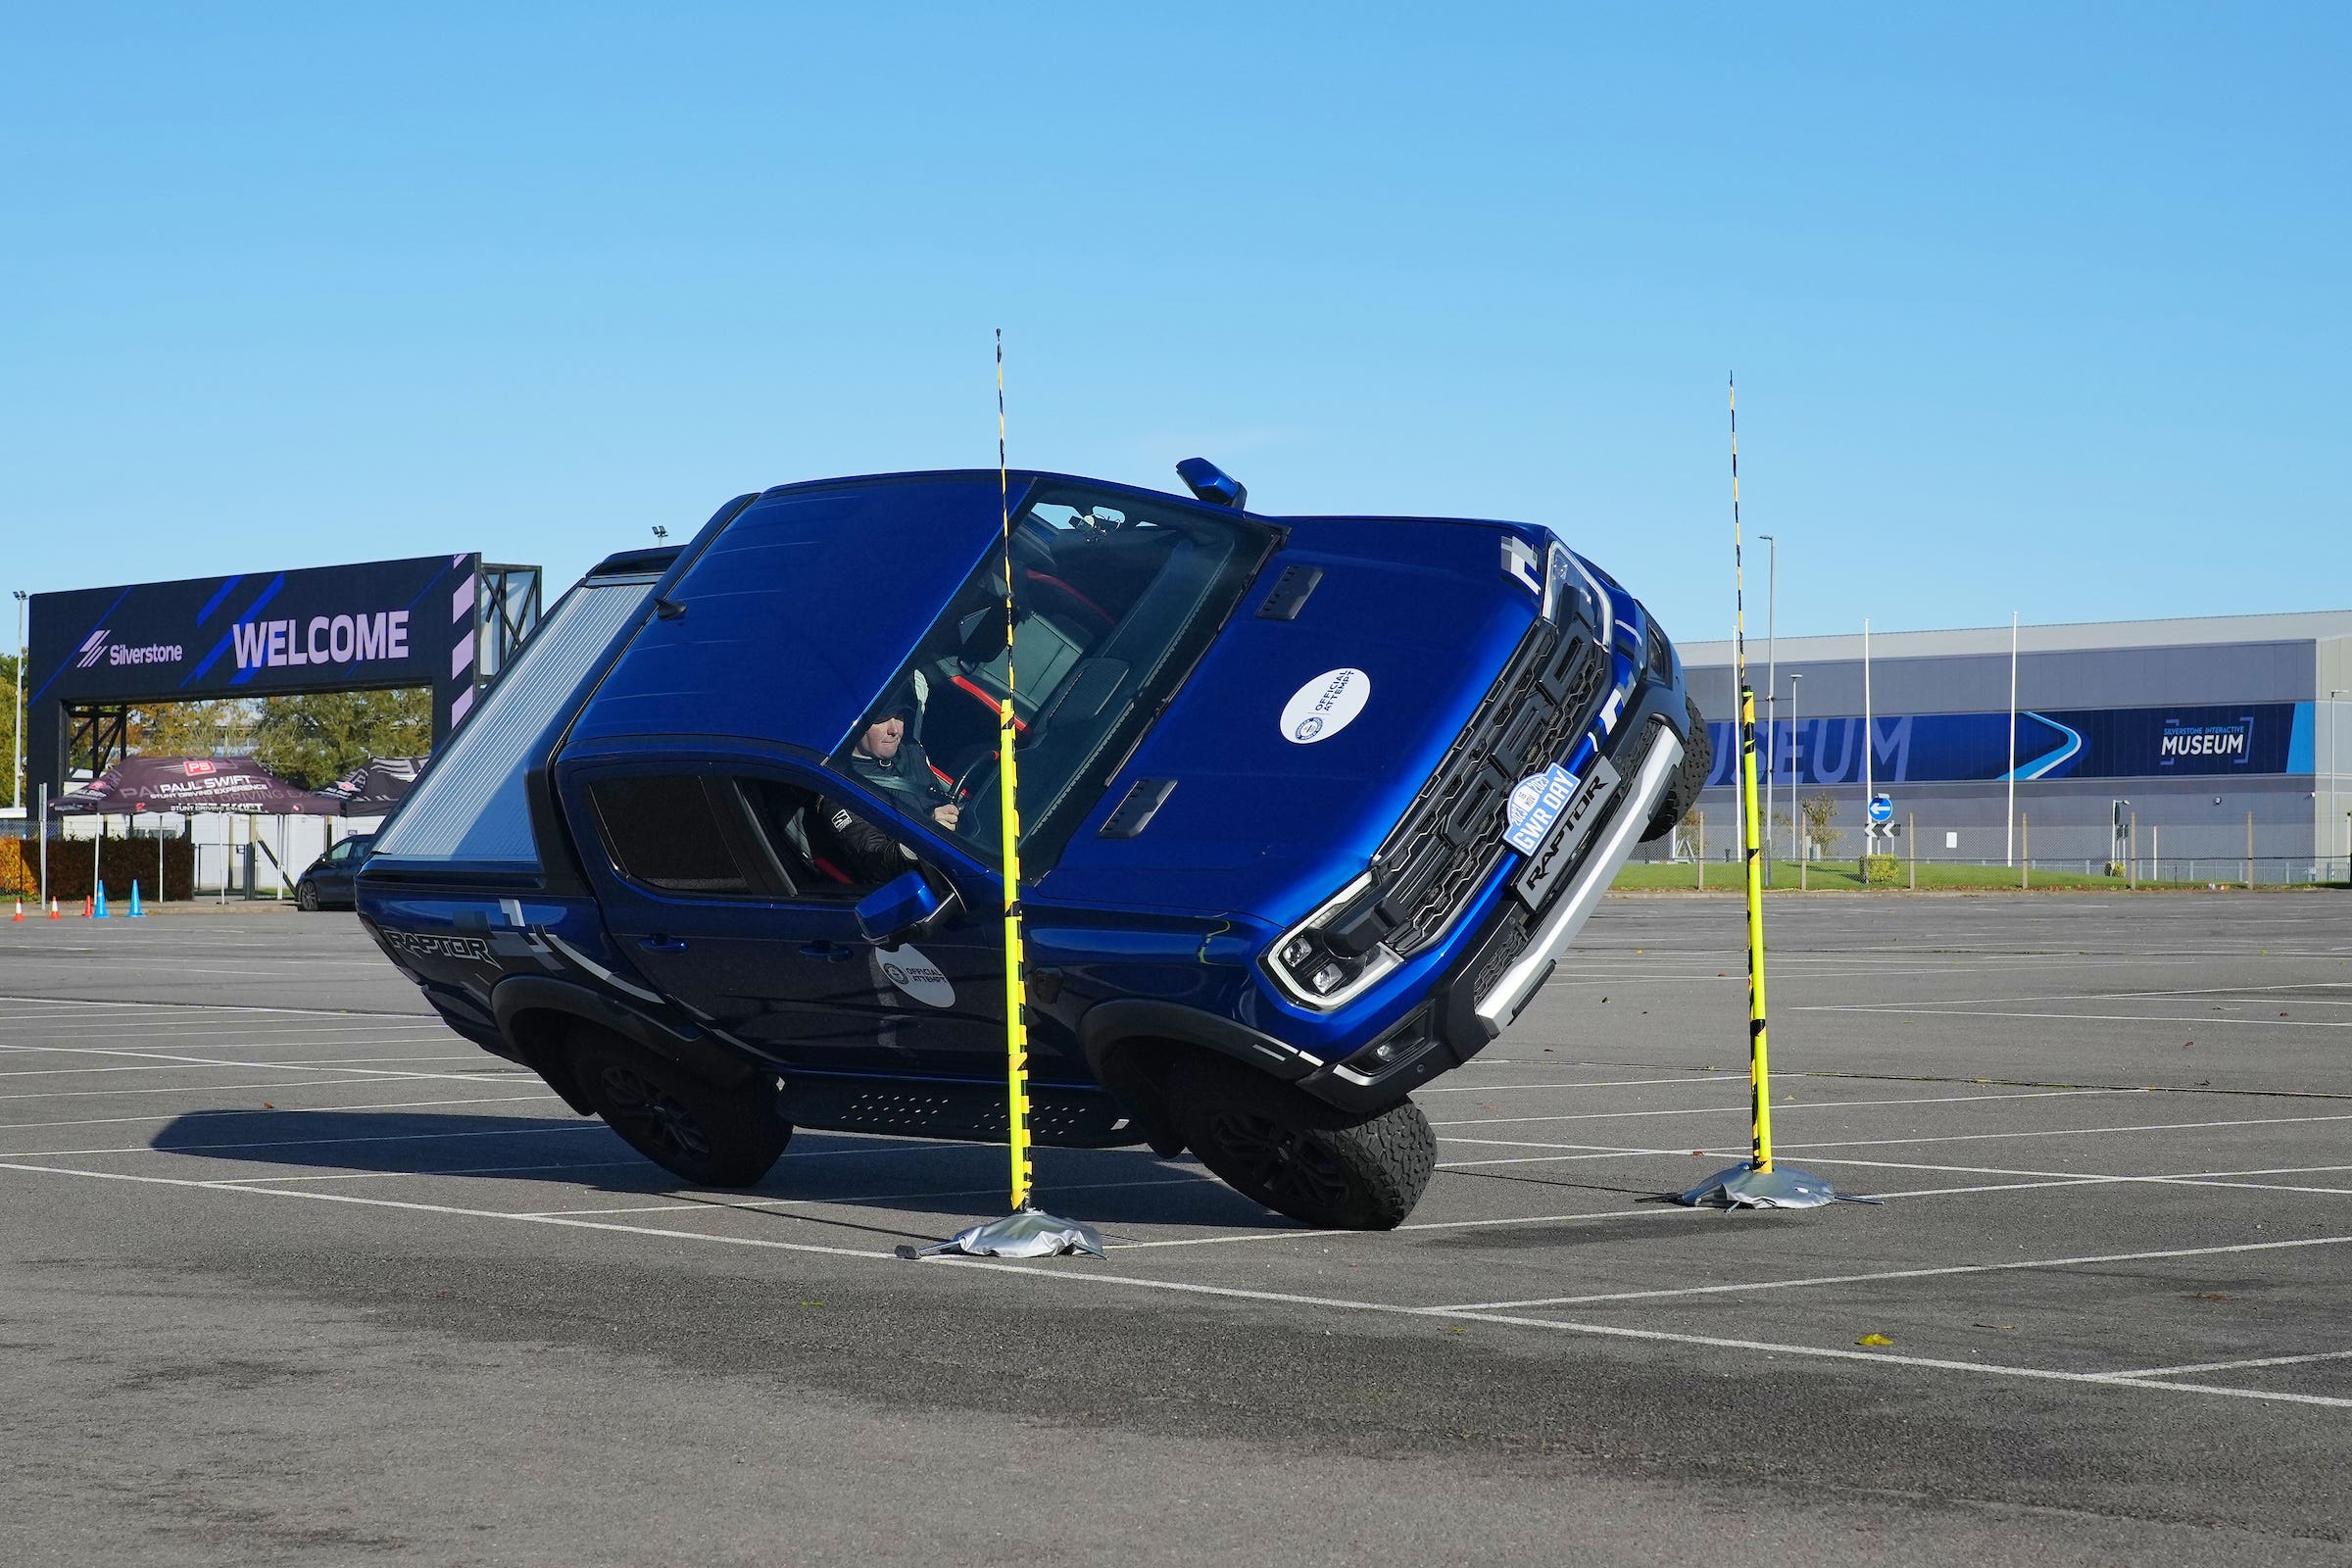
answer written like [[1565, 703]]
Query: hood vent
[[1288, 596], [1136, 811]]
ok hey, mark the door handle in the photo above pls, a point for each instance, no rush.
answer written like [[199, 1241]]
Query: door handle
[[662, 944], [832, 950]]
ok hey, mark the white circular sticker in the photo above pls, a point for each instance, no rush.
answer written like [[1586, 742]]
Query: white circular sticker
[[914, 975], [1524, 795], [1325, 706]]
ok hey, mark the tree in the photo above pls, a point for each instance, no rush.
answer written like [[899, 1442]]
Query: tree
[[194, 728], [313, 741], [1820, 811], [10, 784]]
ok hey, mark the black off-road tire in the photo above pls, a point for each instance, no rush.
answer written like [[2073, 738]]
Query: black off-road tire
[[1699, 761], [1282, 1147], [711, 1136]]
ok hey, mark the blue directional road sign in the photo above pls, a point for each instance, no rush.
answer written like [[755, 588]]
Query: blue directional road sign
[[1882, 808]]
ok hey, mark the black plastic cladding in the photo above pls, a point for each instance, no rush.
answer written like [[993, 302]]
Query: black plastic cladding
[[1451, 840]]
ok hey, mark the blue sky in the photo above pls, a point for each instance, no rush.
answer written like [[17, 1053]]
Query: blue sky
[[2032, 308]]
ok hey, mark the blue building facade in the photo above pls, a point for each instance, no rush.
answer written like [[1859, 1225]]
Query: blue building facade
[[2203, 736]]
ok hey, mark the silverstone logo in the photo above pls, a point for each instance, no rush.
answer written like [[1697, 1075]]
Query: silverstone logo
[[2232, 742], [95, 648], [323, 640]]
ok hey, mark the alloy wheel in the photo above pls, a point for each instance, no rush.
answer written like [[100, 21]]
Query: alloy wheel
[[1283, 1162], [653, 1114]]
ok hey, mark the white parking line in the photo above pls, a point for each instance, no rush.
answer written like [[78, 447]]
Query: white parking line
[[199, 1090], [1781, 1108], [1651, 1210], [311, 1143], [2199, 1021], [185, 1067], [1936, 1138], [2250, 993], [639, 1163], [213, 1061], [777, 1205], [1604, 1083], [1089, 1277], [78, 1003], [277, 1111], [1742, 1286], [2233, 1366]]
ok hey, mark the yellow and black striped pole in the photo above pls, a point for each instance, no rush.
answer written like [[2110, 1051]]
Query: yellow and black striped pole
[[1759, 1076], [1756, 1184], [1759, 1072], [1025, 1232], [1016, 999]]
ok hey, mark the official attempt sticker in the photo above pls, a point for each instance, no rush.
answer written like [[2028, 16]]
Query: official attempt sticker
[[1537, 802]]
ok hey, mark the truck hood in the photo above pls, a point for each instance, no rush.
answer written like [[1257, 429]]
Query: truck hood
[[1298, 745]]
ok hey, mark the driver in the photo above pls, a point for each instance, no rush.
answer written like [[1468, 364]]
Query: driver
[[891, 762]]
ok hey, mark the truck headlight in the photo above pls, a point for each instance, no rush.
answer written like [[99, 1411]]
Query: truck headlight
[[1568, 588], [1325, 961]]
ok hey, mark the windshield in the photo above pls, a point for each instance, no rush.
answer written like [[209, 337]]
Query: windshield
[[1115, 601]]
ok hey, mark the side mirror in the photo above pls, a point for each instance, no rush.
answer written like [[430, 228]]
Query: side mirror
[[905, 906]]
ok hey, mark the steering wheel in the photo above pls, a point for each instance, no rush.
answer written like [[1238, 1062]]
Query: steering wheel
[[961, 789]]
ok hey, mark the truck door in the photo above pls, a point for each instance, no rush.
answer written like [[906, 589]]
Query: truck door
[[724, 882]]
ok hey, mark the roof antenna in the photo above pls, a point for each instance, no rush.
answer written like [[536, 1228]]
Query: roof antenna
[[1027, 1231]]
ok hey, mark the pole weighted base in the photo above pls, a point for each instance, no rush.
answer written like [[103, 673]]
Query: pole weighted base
[[1746, 1187], [1023, 1232]]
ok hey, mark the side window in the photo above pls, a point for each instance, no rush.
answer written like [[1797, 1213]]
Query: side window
[[666, 831], [827, 848]]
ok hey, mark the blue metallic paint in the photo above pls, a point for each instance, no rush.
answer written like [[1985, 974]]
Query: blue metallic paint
[[803, 605]]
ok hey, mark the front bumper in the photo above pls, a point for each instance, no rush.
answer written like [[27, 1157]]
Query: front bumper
[[1515, 953], [1510, 967]]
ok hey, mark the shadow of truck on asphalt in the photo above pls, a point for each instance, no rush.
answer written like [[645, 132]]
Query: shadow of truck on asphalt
[[911, 1176]]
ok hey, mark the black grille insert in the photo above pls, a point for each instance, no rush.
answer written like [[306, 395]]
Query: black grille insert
[[1451, 839]]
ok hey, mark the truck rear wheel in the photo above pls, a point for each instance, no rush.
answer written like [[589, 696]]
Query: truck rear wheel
[[1278, 1145], [711, 1136]]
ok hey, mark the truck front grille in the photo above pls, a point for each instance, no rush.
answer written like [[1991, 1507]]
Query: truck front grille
[[1450, 841]]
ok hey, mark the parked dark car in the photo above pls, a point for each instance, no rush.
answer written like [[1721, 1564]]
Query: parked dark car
[[331, 881], [1309, 809]]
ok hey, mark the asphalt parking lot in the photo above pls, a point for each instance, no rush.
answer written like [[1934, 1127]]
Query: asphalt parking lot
[[291, 1273]]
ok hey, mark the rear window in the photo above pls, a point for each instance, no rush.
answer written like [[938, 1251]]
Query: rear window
[[470, 805], [665, 833]]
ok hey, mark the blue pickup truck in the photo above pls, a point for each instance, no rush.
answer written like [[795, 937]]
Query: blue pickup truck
[[1310, 808]]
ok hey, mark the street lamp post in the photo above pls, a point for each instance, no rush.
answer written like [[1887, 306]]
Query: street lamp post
[[1796, 761], [16, 744], [2335, 740], [1772, 690]]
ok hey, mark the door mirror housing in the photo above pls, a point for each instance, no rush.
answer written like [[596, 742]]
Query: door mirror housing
[[902, 908]]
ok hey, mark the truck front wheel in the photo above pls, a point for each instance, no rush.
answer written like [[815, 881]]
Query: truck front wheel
[[1294, 1155], [711, 1136]]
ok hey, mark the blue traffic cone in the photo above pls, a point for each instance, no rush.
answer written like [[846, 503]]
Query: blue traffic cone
[[137, 913], [100, 911]]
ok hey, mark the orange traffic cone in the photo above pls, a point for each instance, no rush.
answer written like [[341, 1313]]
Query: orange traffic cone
[[86, 908], [54, 912], [19, 914]]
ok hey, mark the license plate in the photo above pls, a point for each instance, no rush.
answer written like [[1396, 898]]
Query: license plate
[[1557, 851]]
